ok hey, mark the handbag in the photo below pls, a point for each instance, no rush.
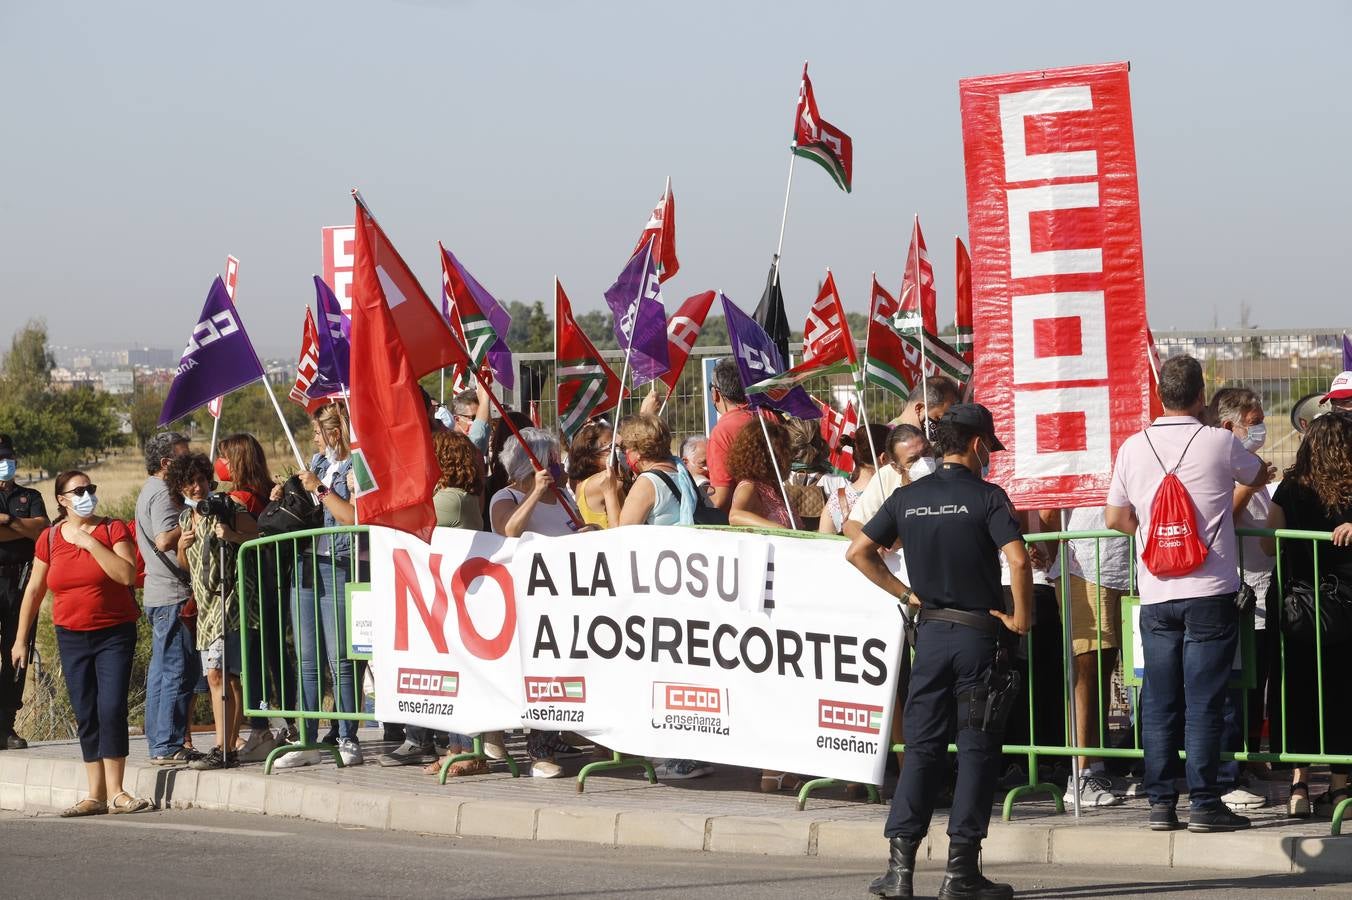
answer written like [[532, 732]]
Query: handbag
[[1334, 623], [295, 510]]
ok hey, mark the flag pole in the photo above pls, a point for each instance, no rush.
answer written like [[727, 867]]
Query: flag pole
[[783, 219], [783, 491], [351, 437], [920, 307], [861, 375], [286, 429], [215, 426]]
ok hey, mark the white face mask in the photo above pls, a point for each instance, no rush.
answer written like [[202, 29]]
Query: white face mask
[[1254, 437], [83, 505], [922, 466], [331, 454], [7, 469], [189, 502]]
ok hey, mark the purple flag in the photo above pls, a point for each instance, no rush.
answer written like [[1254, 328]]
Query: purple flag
[[635, 300], [485, 322], [757, 359], [1347, 354], [334, 349], [218, 359]]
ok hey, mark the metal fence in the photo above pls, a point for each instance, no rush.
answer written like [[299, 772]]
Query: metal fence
[[1281, 365]]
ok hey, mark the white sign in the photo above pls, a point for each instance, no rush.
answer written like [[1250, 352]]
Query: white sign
[[767, 652]]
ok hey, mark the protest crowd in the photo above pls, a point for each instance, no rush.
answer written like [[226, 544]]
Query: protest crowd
[[986, 602]]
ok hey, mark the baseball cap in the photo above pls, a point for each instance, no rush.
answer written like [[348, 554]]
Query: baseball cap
[[6, 448], [977, 418], [1341, 388]]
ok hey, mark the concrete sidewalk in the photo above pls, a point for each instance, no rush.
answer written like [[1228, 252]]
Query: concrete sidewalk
[[721, 813]]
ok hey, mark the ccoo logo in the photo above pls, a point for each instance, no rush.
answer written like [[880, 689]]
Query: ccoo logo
[[843, 716], [559, 689], [428, 682]]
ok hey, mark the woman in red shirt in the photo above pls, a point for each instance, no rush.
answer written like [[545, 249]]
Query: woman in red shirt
[[89, 563]]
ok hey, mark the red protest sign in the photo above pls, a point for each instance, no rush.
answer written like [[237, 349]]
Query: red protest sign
[[339, 242], [1057, 276]]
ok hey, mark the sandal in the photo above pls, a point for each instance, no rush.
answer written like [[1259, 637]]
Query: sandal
[[434, 767], [133, 804], [771, 782], [468, 767], [1298, 806], [86, 807], [1327, 802]]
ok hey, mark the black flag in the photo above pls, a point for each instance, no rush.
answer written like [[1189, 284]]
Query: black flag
[[770, 314]]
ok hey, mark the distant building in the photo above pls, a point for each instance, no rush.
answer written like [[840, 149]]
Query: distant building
[[153, 357], [119, 381]]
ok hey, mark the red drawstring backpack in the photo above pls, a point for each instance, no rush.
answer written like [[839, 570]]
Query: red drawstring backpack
[[1173, 547]]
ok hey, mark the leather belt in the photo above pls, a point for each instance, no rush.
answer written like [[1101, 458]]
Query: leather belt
[[980, 621]]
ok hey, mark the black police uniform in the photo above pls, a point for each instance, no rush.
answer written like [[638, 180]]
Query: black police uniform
[[15, 558], [951, 525]]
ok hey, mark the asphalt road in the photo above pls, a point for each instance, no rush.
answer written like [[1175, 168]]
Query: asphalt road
[[201, 854]]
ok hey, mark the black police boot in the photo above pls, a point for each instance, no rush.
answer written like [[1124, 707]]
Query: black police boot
[[964, 880], [896, 882]]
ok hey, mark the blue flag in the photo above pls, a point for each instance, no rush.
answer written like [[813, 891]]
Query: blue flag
[[758, 359], [334, 330], [218, 359], [635, 300]]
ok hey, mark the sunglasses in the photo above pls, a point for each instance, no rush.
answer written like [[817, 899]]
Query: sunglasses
[[82, 490]]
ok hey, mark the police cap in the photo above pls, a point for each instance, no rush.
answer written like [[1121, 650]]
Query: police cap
[[974, 417]]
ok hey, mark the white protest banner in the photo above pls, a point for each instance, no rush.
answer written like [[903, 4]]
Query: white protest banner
[[736, 648]]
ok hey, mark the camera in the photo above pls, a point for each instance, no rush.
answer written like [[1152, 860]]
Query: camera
[[218, 504]]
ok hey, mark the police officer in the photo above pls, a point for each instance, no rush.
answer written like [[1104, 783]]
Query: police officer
[[951, 526], [22, 518]]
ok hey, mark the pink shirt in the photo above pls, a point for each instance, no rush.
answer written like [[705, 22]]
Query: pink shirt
[[1214, 462]]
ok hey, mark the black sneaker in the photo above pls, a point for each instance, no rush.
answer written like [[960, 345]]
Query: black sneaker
[[1163, 817], [216, 760], [1215, 819], [13, 742]]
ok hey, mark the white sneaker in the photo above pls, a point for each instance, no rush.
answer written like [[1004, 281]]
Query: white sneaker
[[545, 768], [1241, 798], [1095, 791], [261, 742], [298, 758], [495, 745], [349, 751]]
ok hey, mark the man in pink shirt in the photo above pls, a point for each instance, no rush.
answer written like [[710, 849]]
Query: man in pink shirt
[[1189, 622]]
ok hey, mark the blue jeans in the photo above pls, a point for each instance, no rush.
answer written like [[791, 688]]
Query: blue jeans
[[321, 596], [1189, 647], [169, 680]]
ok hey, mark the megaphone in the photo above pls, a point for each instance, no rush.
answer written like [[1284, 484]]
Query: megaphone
[[1307, 409]]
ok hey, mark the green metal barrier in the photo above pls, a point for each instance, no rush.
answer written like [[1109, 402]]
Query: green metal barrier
[[276, 568]]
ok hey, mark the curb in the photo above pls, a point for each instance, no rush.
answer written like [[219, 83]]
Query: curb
[[32, 784]]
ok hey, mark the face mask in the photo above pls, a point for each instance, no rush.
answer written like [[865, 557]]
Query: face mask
[[331, 454], [1255, 437], [924, 465], [7, 469], [189, 502], [985, 466], [622, 463], [84, 505]]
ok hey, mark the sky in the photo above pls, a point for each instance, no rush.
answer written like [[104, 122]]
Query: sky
[[143, 142]]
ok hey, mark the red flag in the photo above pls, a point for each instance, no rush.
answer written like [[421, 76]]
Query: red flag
[[835, 427], [535, 413], [395, 468], [819, 140], [428, 343], [963, 279], [662, 226], [585, 384], [826, 334], [885, 362], [917, 305], [683, 328], [307, 365]]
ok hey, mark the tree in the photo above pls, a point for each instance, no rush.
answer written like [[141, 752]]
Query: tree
[[91, 416], [27, 372], [532, 328]]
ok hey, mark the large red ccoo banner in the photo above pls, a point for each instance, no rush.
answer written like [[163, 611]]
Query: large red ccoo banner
[[1057, 277], [339, 245]]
